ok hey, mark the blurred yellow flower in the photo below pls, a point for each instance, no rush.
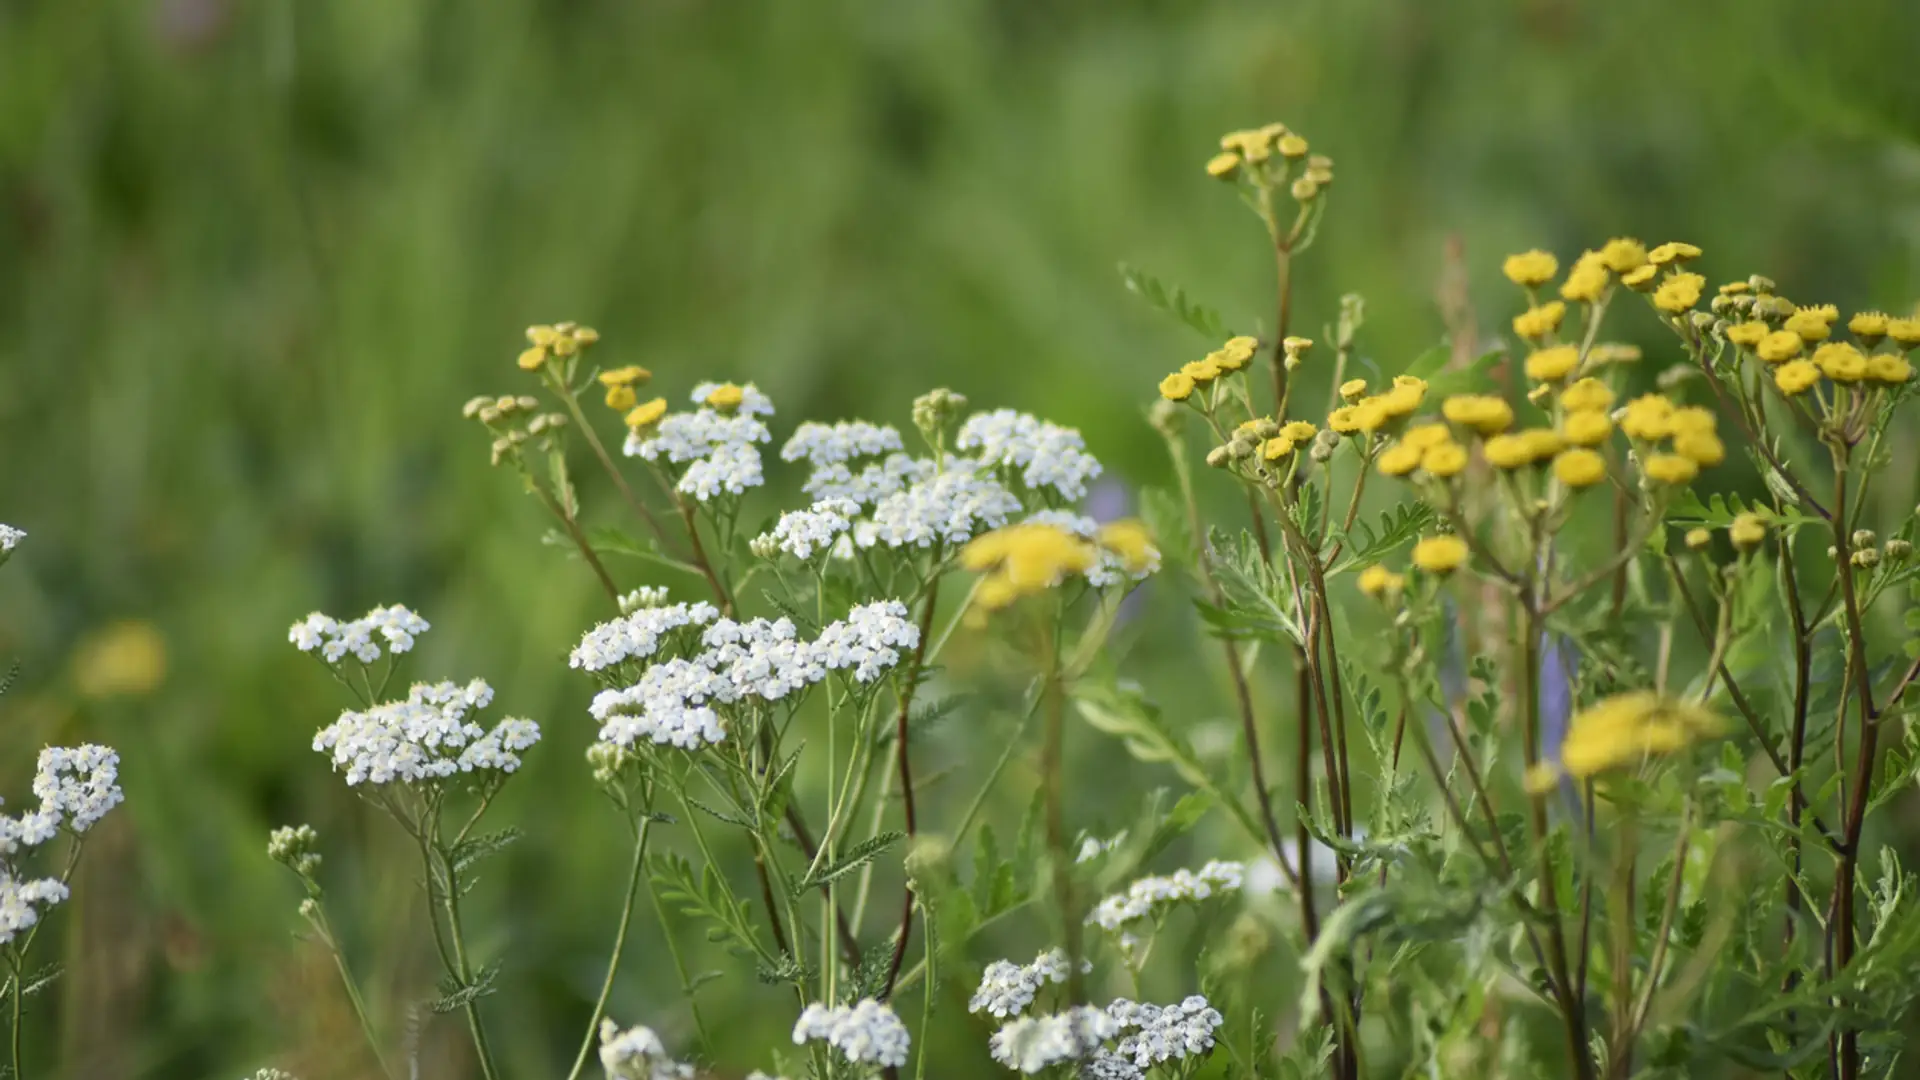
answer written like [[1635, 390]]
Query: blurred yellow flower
[[1299, 430], [1649, 416], [1680, 292], [1353, 390], [1700, 447], [1889, 368], [1840, 361], [1201, 371], [1747, 334], [1440, 554], [1868, 326], [1588, 393], [1671, 468], [1444, 460], [1673, 251], [1622, 254], [1536, 323], [1399, 459], [1579, 468], [1345, 419], [1640, 278], [1177, 386], [1586, 281], [1586, 427], [1484, 413], [1292, 146], [124, 658], [631, 375], [1377, 581], [1904, 332], [1748, 530], [1778, 346], [1130, 542], [1020, 560], [1223, 166], [1622, 730], [1812, 324], [726, 397], [621, 398], [1796, 377], [1552, 365], [647, 414], [1530, 269], [1424, 436]]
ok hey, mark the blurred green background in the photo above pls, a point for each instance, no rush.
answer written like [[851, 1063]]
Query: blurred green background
[[254, 256]]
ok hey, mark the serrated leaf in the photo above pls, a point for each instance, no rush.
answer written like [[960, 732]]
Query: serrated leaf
[[856, 857], [608, 540], [1369, 542], [721, 815], [1173, 300], [475, 849]]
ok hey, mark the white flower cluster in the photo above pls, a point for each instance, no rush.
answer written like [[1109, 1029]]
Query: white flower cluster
[[716, 448], [1107, 1065], [836, 444], [645, 596], [10, 537], [875, 481], [951, 507], [865, 1034], [1161, 1033], [868, 640], [1047, 455], [23, 899], [1034, 1043], [429, 736], [1108, 568], [802, 533], [676, 702], [1151, 894], [395, 625], [637, 1054], [271, 1074], [1006, 988], [78, 784], [636, 635]]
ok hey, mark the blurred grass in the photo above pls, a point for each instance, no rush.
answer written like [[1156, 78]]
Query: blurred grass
[[253, 257]]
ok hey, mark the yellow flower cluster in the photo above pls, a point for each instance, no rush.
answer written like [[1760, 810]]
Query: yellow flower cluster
[[1484, 413], [1020, 560], [1693, 432], [646, 414], [1290, 437], [1429, 448], [621, 383], [1235, 355], [1523, 448], [1267, 155], [1371, 413], [1552, 364], [1536, 324], [1622, 730], [1381, 583], [559, 340]]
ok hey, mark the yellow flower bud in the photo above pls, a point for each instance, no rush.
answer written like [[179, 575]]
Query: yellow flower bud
[[1671, 469], [1554, 364], [1778, 346], [1224, 166], [647, 414], [1796, 377], [1586, 427], [532, 359], [1353, 390], [1673, 251], [1177, 386]]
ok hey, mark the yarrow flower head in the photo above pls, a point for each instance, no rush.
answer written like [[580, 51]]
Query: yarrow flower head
[[334, 640], [836, 444], [806, 533], [865, 1034], [714, 446], [1006, 988], [637, 1054], [951, 507], [1163, 1033], [637, 635], [1150, 895], [1046, 454], [78, 784], [10, 538], [1036, 1043], [429, 736]]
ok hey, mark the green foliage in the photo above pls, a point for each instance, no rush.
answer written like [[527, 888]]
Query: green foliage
[[1173, 300]]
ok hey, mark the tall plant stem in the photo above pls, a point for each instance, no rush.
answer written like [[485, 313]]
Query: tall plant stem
[[450, 898], [572, 402], [1053, 779], [904, 759], [1842, 931], [634, 874]]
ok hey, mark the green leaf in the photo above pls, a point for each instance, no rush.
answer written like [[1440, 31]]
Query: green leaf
[[856, 857], [1186, 813], [1368, 544], [1475, 377], [608, 540], [474, 849], [1173, 300], [1429, 363]]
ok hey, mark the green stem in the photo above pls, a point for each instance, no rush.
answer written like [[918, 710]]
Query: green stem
[[325, 927], [619, 944], [450, 898]]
